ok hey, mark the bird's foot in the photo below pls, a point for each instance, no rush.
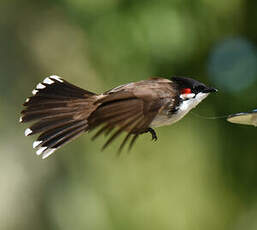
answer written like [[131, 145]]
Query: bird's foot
[[153, 133]]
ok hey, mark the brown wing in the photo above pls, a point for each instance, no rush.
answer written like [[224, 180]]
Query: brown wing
[[124, 111]]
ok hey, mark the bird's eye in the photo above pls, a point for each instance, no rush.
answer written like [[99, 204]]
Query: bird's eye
[[186, 91]]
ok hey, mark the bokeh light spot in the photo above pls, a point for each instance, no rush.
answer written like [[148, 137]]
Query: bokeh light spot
[[232, 64]]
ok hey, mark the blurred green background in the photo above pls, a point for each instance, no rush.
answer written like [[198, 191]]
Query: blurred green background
[[200, 174]]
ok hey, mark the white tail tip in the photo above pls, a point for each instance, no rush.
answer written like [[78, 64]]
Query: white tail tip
[[56, 78], [27, 132], [34, 91], [40, 86], [42, 149], [47, 153], [48, 81], [36, 144]]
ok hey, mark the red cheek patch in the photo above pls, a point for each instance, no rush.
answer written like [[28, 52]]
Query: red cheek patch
[[186, 91]]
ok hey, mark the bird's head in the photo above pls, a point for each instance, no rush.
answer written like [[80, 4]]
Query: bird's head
[[191, 91]]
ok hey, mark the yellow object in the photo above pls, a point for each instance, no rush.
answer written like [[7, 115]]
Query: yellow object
[[244, 118]]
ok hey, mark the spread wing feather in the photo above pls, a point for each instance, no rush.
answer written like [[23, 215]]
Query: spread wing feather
[[125, 124], [123, 112], [62, 111]]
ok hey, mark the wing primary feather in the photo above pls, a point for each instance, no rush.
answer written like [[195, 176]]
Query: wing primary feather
[[100, 131], [125, 125], [113, 121], [133, 141], [128, 136], [143, 126], [108, 115], [108, 130], [123, 143]]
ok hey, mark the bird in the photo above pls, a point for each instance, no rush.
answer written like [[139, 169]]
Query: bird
[[62, 111]]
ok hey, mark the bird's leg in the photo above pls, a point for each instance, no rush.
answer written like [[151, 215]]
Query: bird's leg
[[153, 133]]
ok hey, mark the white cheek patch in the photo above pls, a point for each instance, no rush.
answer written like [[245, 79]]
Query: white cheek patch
[[192, 102], [187, 96]]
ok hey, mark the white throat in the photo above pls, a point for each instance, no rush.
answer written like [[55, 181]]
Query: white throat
[[189, 104], [184, 108]]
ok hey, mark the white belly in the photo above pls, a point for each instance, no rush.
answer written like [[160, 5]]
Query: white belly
[[161, 120]]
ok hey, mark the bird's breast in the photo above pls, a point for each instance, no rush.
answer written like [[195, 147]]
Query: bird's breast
[[165, 117]]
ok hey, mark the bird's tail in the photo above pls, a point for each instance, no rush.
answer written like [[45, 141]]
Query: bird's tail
[[60, 111]]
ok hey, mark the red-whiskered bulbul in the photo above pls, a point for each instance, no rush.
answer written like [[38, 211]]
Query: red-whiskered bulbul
[[63, 111]]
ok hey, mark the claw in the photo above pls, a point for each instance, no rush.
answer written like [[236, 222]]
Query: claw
[[153, 133]]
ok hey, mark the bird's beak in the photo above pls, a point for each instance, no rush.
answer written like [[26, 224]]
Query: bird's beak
[[210, 90]]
